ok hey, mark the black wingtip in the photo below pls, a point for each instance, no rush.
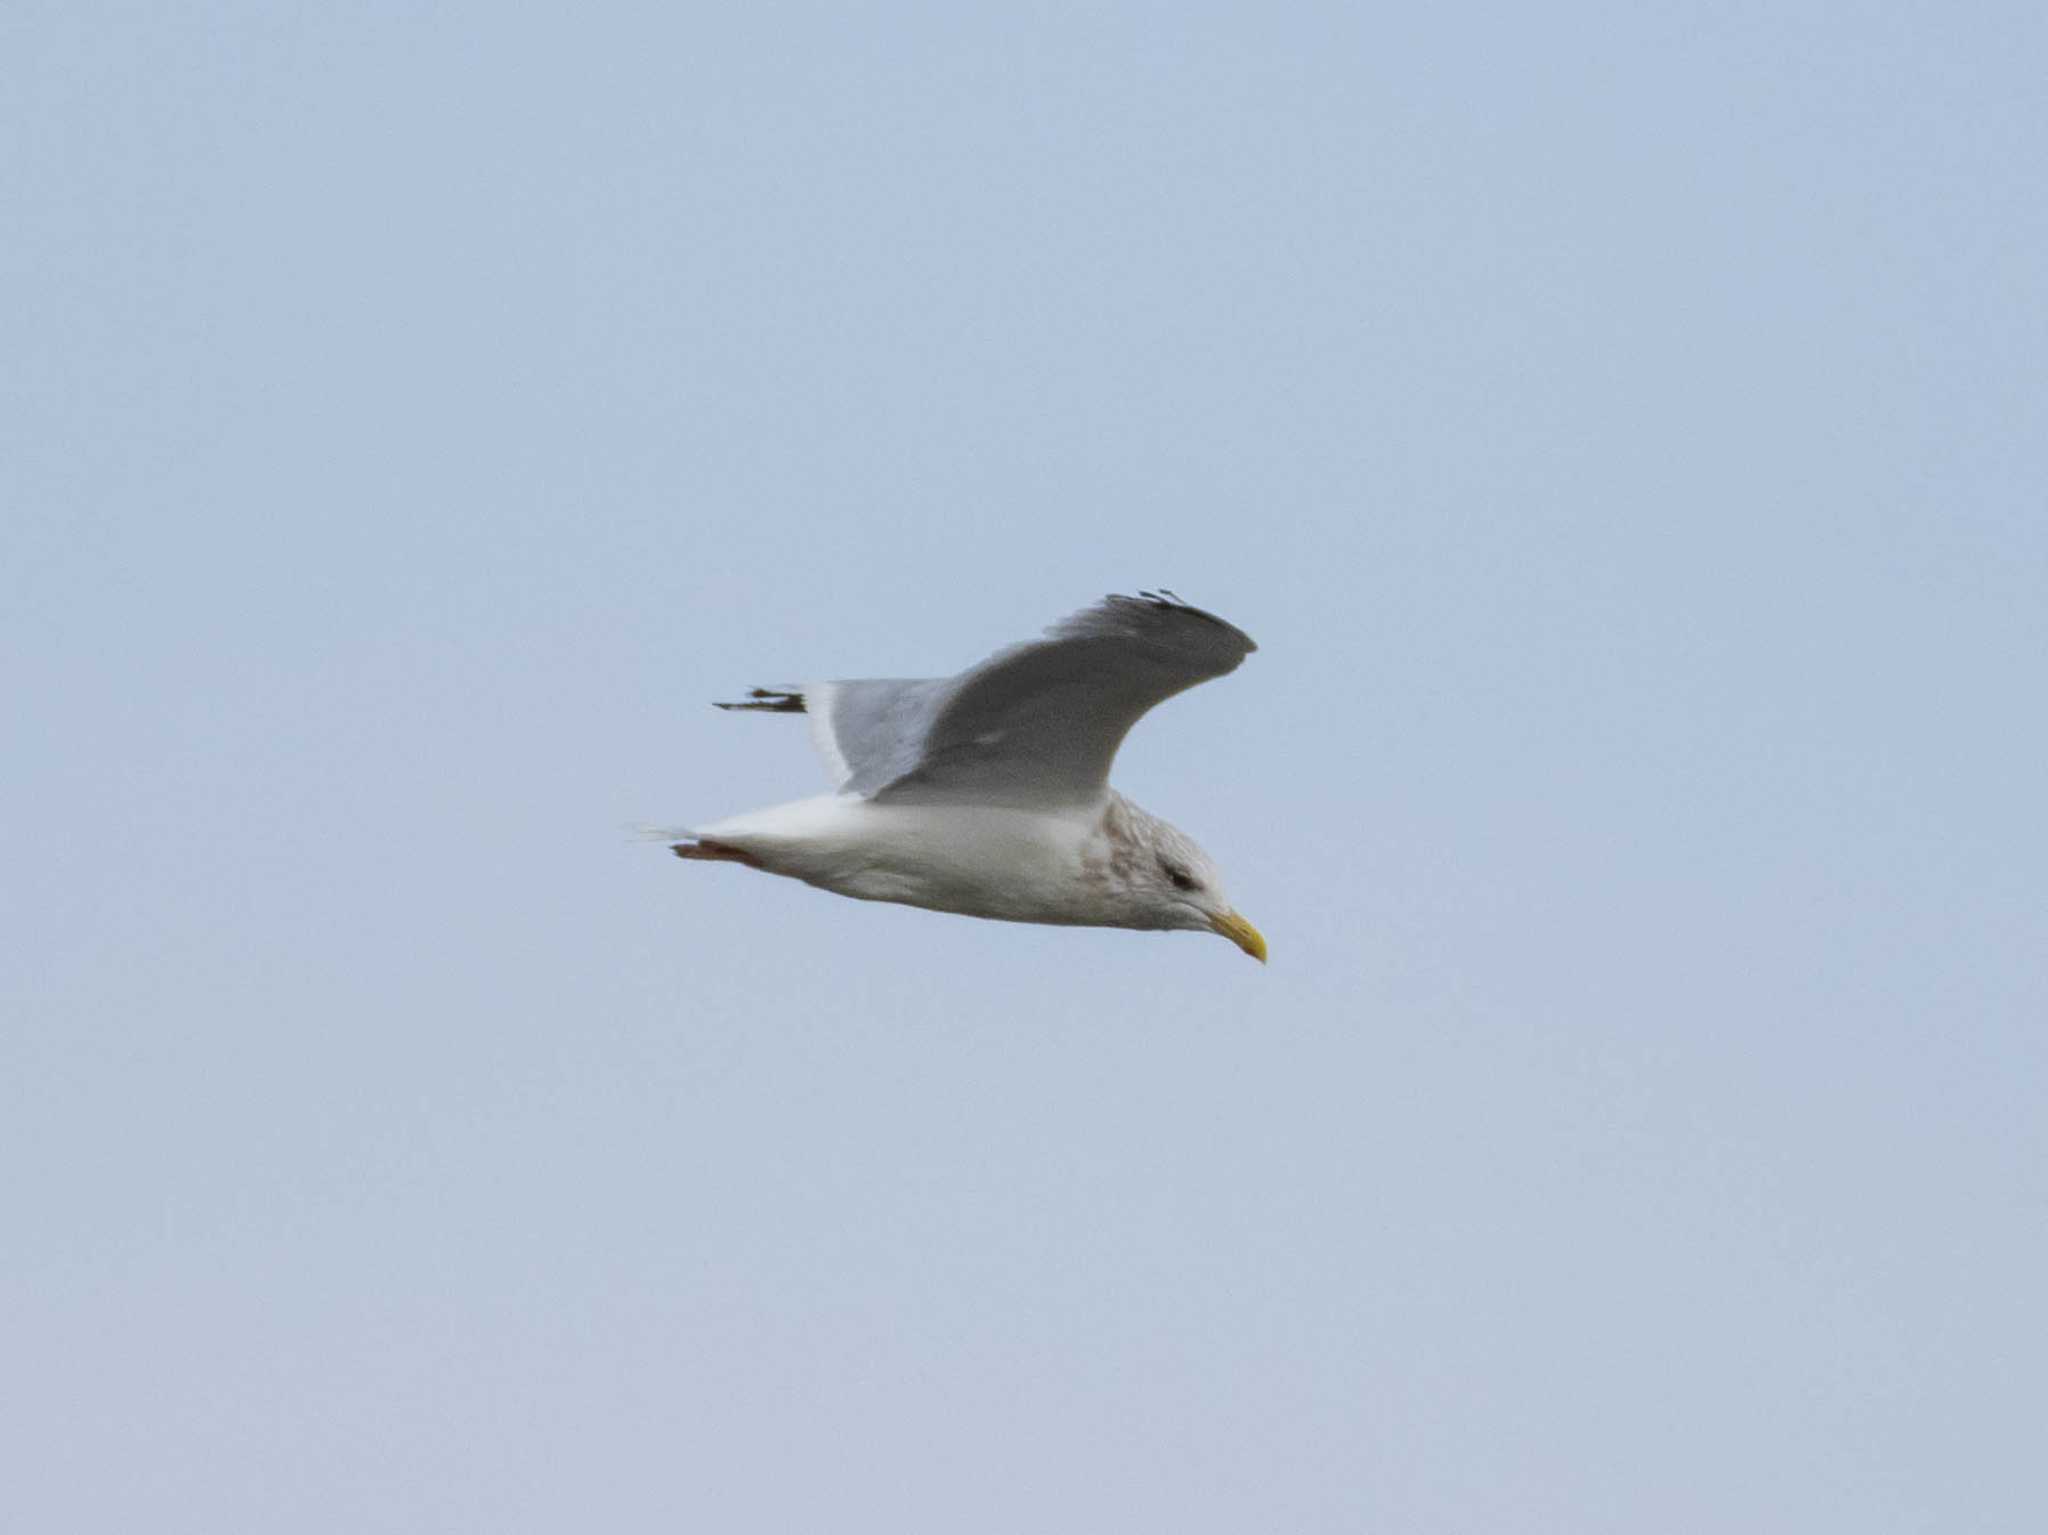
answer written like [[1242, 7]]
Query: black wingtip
[[1167, 597], [767, 701]]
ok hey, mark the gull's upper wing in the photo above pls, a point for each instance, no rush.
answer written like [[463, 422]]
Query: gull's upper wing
[[1036, 724]]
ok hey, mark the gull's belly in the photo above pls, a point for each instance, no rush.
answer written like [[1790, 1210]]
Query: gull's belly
[[982, 861]]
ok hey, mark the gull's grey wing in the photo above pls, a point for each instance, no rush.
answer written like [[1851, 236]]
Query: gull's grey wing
[[868, 732], [871, 732], [1036, 724], [1040, 723]]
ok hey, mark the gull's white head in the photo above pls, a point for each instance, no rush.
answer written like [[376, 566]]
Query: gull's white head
[[1167, 881]]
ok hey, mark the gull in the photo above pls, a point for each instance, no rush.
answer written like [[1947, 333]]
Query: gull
[[987, 793]]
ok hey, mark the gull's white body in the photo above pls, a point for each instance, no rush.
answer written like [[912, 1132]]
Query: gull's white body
[[941, 857]]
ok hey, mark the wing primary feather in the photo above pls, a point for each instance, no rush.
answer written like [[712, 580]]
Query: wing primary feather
[[768, 701]]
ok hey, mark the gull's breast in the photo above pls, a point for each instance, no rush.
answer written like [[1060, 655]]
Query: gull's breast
[[981, 861]]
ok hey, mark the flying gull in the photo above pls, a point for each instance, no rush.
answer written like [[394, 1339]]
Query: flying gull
[[988, 793]]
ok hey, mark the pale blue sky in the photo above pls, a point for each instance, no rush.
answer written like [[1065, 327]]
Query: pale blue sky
[[1622, 429]]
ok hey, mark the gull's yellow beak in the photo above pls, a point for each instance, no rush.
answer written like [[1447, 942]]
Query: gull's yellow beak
[[1241, 933]]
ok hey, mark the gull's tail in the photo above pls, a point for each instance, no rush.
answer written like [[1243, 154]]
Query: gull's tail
[[640, 831], [685, 843], [715, 852]]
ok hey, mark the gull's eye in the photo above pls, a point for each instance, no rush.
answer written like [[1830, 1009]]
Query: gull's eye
[[1182, 880]]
